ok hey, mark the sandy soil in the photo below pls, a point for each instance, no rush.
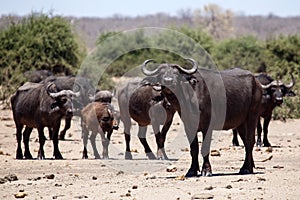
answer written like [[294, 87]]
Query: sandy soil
[[276, 176]]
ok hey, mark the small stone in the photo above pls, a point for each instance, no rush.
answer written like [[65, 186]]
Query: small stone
[[134, 150], [185, 149], [228, 187], [261, 179], [203, 196], [50, 176], [20, 195], [180, 178], [134, 187], [2, 180], [11, 177], [209, 188], [269, 149], [278, 167], [120, 172], [215, 153], [94, 178], [171, 168]]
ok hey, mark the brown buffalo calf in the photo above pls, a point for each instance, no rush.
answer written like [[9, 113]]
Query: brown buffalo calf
[[97, 117]]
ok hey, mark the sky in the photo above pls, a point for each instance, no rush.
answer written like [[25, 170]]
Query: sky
[[132, 8]]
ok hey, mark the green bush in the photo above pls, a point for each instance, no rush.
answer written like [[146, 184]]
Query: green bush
[[39, 41]]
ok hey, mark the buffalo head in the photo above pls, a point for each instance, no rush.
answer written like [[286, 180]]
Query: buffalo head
[[169, 74], [62, 99], [276, 90]]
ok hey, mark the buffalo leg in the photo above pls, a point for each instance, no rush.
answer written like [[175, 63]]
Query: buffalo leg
[[67, 127], [205, 151], [235, 140], [56, 153], [161, 153], [266, 125], [259, 130], [85, 136], [128, 155], [127, 124], [93, 143], [143, 140], [105, 143], [41, 153], [19, 154], [195, 162], [26, 135], [247, 133]]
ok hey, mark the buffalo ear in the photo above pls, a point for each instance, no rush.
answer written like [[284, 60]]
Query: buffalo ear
[[290, 94]]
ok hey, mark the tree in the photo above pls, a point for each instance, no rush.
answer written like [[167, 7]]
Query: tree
[[38, 41], [245, 52], [215, 20]]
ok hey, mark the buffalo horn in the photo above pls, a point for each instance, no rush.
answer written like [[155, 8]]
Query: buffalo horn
[[289, 86], [146, 71], [193, 69], [61, 93]]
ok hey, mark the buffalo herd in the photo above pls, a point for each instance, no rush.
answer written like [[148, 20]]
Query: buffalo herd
[[205, 100]]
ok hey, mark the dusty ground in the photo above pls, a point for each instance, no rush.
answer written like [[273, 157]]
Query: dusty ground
[[277, 173]]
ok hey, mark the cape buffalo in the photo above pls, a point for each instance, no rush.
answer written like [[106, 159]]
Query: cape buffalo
[[38, 106], [81, 84], [273, 93], [143, 103], [197, 95]]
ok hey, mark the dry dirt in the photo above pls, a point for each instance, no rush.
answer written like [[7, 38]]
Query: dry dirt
[[276, 176]]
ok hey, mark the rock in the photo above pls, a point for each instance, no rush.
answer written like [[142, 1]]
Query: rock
[[2, 180], [228, 187], [278, 166], [120, 172], [20, 195], [171, 168], [11, 177], [209, 188], [134, 187], [185, 149], [94, 178], [215, 153], [261, 179], [50, 176], [180, 178], [203, 196], [134, 150], [269, 149]]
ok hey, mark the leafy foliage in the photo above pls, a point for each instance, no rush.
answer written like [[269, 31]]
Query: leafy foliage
[[38, 41]]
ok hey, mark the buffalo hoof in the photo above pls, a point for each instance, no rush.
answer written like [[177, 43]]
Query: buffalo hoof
[[151, 156], [61, 137], [28, 156], [245, 171], [41, 155], [105, 157], [191, 173], [128, 155], [206, 173], [267, 144], [19, 155], [58, 156]]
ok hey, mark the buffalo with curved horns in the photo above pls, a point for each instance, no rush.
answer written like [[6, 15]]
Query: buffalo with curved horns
[[37, 105], [273, 93], [146, 105], [197, 94]]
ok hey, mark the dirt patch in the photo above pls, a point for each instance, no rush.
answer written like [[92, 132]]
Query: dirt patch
[[276, 176]]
